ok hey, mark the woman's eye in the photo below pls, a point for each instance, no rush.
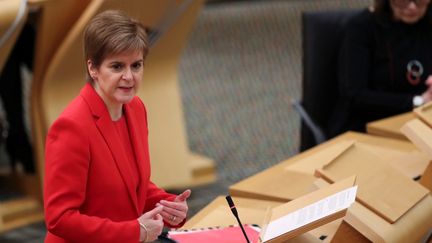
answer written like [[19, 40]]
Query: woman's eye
[[136, 66], [116, 67]]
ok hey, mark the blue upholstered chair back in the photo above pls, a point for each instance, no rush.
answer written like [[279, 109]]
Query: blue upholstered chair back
[[322, 34]]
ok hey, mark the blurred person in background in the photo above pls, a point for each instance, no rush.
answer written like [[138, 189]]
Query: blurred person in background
[[385, 63]]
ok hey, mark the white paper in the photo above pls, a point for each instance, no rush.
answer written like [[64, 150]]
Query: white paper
[[320, 209]]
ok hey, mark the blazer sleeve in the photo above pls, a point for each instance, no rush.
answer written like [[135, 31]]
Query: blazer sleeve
[[67, 159]]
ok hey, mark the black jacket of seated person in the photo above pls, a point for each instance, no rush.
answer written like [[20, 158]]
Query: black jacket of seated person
[[373, 82]]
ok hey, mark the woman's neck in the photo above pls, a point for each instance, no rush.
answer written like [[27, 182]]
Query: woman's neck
[[115, 112]]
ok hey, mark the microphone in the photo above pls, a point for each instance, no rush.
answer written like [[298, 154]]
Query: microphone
[[234, 211]]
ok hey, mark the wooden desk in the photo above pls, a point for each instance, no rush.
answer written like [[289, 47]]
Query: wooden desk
[[390, 127], [251, 211], [412, 227], [218, 213], [403, 153], [281, 183]]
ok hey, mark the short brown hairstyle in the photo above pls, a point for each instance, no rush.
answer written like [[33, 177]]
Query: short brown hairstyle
[[112, 32]]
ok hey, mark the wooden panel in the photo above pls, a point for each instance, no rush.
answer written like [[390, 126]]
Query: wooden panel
[[346, 231], [19, 212], [411, 227], [54, 20], [426, 179], [218, 213], [295, 175], [419, 133], [290, 185], [424, 112], [320, 158], [382, 189], [390, 127]]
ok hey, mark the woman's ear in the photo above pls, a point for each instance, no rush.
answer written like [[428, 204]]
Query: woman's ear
[[91, 69]]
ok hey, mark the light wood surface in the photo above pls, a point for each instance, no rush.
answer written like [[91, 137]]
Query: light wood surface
[[381, 188], [54, 20], [18, 212], [294, 181], [345, 232], [218, 213], [424, 113], [251, 211], [412, 225], [420, 134], [426, 179], [173, 165], [390, 127]]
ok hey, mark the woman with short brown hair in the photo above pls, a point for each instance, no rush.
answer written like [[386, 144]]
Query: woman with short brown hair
[[97, 173]]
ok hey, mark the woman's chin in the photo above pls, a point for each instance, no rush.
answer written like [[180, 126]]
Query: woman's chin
[[410, 19], [125, 99]]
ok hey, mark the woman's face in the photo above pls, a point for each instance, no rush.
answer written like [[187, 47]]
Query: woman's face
[[409, 11], [118, 77]]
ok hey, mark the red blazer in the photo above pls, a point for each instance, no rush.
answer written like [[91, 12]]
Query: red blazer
[[88, 193]]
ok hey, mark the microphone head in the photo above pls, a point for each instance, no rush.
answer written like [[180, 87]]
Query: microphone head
[[230, 201], [231, 205]]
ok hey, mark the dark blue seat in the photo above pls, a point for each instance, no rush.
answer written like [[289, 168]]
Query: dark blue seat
[[322, 34]]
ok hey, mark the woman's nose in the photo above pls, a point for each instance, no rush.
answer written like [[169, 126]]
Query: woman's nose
[[127, 74]]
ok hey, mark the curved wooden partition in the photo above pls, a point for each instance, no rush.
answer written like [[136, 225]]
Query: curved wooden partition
[[173, 166], [15, 212], [53, 21]]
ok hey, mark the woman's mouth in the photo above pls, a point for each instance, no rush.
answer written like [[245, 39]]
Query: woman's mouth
[[125, 88]]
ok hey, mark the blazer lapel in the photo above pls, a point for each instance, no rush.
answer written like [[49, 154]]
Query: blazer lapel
[[138, 134], [107, 130]]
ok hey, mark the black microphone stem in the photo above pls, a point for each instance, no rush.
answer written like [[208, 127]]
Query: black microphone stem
[[243, 230], [234, 211]]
